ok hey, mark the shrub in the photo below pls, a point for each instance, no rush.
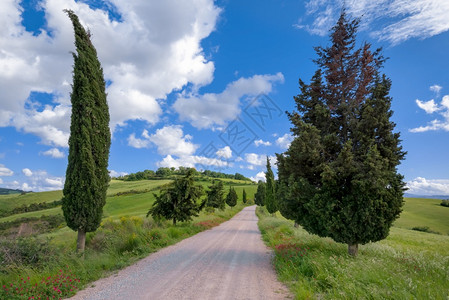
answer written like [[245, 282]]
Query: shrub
[[425, 229], [26, 251], [445, 203]]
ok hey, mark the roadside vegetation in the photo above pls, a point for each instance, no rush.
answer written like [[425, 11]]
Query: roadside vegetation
[[41, 260], [406, 265]]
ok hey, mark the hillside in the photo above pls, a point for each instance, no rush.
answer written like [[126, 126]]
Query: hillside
[[4, 191]]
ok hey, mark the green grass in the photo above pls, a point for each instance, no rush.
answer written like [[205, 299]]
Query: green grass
[[8, 202], [406, 265], [424, 212], [124, 237]]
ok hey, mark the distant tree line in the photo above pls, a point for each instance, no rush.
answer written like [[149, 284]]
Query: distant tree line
[[32, 207], [164, 172]]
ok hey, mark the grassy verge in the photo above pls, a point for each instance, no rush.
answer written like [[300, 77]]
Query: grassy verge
[[407, 265], [47, 267]]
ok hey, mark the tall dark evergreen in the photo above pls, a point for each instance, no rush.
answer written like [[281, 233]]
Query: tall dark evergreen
[[259, 197], [244, 197], [339, 176], [215, 195], [231, 198], [270, 199], [87, 175], [178, 201]]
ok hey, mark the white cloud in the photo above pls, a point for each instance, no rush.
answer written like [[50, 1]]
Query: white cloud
[[400, 20], [436, 89], [207, 110], [284, 141], [54, 152], [436, 124], [154, 49], [428, 187], [113, 173], [259, 176], [193, 161], [261, 143], [139, 143], [170, 140], [27, 172], [428, 106], [224, 152], [258, 160], [4, 171], [1, 181], [38, 181]]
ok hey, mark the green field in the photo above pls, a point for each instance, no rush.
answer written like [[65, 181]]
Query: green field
[[424, 212], [408, 264]]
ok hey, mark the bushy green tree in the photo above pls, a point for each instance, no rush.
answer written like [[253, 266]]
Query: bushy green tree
[[87, 175], [215, 195], [231, 198], [270, 199], [339, 176], [244, 197], [177, 201], [259, 197]]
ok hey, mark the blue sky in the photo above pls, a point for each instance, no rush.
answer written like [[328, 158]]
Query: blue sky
[[205, 84]]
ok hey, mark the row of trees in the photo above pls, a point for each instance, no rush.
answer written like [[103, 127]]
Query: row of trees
[[339, 176], [164, 172], [180, 200]]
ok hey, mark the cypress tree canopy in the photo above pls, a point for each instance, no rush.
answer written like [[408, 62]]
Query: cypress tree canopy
[[87, 175], [339, 176]]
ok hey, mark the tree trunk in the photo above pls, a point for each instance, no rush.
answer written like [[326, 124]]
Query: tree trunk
[[81, 242], [353, 249]]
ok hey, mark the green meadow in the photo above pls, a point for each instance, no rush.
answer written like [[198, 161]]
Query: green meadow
[[409, 264]]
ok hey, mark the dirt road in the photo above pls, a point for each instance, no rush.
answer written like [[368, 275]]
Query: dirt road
[[229, 261]]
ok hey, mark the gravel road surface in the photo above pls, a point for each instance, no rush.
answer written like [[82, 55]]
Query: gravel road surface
[[229, 261]]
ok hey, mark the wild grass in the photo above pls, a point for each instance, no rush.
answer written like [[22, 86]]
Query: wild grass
[[124, 237], [406, 265]]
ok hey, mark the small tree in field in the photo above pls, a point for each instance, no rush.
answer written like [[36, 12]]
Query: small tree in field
[[87, 175], [231, 198], [259, 197], [339, 176], [270, 200], [215, 195], [178, 200], [244, 197]]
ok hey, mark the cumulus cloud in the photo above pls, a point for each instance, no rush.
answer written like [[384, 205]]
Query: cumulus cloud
[[284, 141], [261, 143], [428, 187], [4, 171], [54, 152], [393, 20], [172, 141], [258, 160], [153, 49], [38, 181], [27, 172], [207, 110], [113, 173], [259, 176], [138, 143], [193, 161], [431, 107], [224, 152]]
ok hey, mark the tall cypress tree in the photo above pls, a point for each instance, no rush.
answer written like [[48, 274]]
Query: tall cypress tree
[[215, 195], [87, 175], [259, 197], [270, 200], [339, 176], [231, 198]]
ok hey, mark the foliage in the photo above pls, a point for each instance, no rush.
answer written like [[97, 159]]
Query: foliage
[[259, 197], [406, 265], [215, 195], [444, 203], [39, 225], [31, 207], [270, 199], [164, 172], [87, 174], [424, 229], [339, 176], [231, 198], [178, 200], [244, 197]]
